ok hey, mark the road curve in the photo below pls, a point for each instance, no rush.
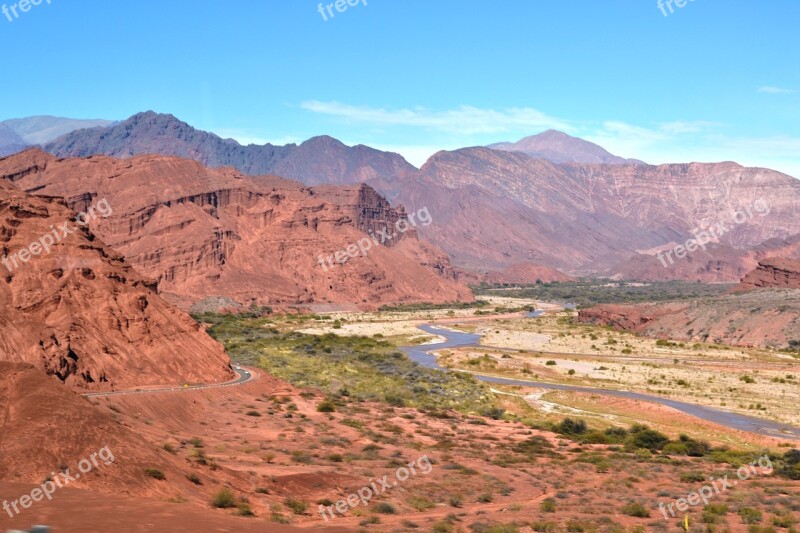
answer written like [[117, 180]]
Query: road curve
[[244, 376], [423, 355]]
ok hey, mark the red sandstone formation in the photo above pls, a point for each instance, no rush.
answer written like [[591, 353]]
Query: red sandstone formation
[[207, 235], [80, 313], [775, 273]]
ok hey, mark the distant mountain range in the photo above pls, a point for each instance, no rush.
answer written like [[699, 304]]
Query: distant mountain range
[[550, 200], [316, 161], [559, 147], [10, 141], [17, 134], [44, 128]]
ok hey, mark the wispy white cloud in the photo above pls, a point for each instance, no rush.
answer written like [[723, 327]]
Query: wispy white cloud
[[697, 141], [465, 120], [774, 90]]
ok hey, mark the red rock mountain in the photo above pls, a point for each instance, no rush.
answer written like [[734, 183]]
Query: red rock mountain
[[590, 218], [212, 236], [559, 147], [81, 314], [776, 273]]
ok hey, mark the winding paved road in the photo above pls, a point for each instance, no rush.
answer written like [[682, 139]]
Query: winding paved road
[[245, 376], [423, 355]]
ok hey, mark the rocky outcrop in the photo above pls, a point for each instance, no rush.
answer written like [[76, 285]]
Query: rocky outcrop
[[766, 318], [209, 235], [80, 313], [775, 273]]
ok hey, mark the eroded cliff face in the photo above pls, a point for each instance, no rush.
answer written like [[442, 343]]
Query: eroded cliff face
[[72, 307], [774, 273], [765, 318], [212, 234]]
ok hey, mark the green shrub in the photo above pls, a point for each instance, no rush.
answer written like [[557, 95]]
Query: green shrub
[[421, 503], [326, 406], [155, 474], [548, 506], [224, 499], [244, 509], [750, 515], [692, 477], [385, 508], [635, 509], [570, 426], [296, 506], [644, 437]]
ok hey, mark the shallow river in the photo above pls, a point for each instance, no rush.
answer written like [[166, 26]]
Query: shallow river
[[455, 339]]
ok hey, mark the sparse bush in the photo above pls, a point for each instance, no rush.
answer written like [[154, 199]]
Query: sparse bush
[[548, 506], [644, 437], [692, 477], [296, 506], [326, 406], [385, 508], [570, 426], [224, 499], [635, 509], [244, 509], [750, 516], [155, 474], [421, 503]]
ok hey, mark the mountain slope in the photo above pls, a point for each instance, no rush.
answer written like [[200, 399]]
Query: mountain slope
[[559, 147], [317, 161], [81, 314], [210, 235], [588, 218], [44, 128], [10, 142]]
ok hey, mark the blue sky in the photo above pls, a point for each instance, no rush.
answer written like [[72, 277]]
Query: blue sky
[[711, 81]]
